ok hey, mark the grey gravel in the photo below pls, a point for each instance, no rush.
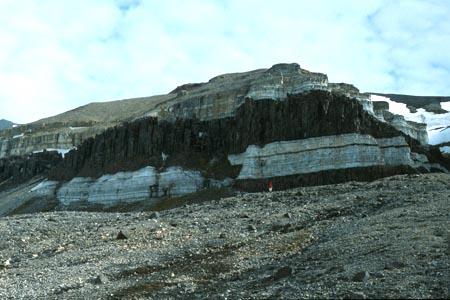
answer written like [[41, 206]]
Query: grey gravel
[[394, 230]]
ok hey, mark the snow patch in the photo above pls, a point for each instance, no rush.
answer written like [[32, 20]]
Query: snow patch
[[445, 105], [76, 128], [433, 121], [445, 149], [18, 136], [63, 152], [43, 184]]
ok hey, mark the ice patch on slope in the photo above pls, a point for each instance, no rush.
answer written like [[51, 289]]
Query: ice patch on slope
[[63, 152], [435, 122], [445, 149]]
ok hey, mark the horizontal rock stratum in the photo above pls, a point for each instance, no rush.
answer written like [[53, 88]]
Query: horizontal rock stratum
[[237, 131]]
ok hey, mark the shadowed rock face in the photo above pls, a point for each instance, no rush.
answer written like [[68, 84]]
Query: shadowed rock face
[[15, 170]]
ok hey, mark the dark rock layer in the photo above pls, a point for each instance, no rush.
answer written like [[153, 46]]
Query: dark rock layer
[[194, 143], [17, 169]]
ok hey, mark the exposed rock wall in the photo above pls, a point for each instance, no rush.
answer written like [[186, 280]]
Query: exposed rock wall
[[15, 170], [125, 187], [320, 154], [30, 141], [417, 131], [141, 143]]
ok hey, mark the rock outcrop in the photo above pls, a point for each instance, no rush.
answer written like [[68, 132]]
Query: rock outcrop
[[321, 154], [16, 170], [218, 98], [284, 124], [125, 187]]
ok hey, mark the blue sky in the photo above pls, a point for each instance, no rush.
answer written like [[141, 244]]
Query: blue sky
[[56, 55]]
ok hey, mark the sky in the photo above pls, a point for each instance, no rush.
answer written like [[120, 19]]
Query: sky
[[57, 55]]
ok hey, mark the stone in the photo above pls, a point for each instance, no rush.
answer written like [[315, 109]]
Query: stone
[[283, 272], [251, 227], [361, 276], [355, 295], [394, 265], [287, 215], [121, 236], [95, 280], [155, 215]]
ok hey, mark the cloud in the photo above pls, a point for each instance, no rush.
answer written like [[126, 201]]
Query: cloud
[[57, 55]]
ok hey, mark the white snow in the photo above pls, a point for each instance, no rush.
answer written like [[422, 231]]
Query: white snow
[[76, 128], [435, 122], [63, 152], [445, 149], [15, 125], [43, 184], [18, 136], [445, 105]]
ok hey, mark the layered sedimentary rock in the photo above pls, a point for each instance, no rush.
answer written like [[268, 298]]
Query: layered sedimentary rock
[[320, 154], [417, 131], [36, 138], [284, 123], [140, 143], [125, 187], [218, 98]]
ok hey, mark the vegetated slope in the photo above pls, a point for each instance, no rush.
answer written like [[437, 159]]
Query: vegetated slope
[[111, 111], [384, 239]]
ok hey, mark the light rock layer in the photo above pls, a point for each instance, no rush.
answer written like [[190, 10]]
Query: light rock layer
[[125, 187], [319, 154]]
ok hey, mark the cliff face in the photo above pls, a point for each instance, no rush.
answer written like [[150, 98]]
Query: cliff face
[[15, 170], [314, 114], [283, 124], [218, 98]]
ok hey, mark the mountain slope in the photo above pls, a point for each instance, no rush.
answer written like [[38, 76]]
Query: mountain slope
[[5, 124], [384, 239], [107, 112]]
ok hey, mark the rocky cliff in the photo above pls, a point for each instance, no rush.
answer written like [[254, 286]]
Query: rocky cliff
[[218, 98], [283, 124]]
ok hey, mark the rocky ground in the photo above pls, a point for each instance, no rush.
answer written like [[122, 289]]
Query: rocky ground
[[388, 238]]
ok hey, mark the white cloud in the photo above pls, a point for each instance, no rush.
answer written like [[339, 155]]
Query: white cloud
[[57, 55]]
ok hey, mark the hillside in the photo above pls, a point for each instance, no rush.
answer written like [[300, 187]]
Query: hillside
[[383, 239], [238, 131], [107, 112], [5, 124]]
